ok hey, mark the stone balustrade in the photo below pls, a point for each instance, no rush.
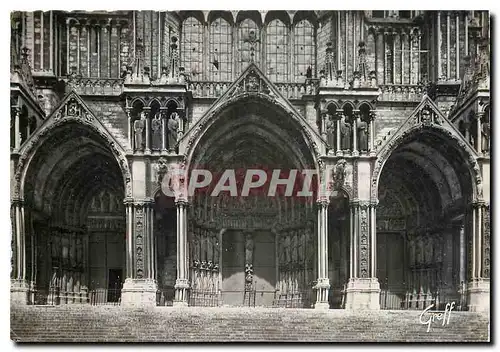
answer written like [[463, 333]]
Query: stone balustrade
[[216, 89], [401, 92], [96, 86]]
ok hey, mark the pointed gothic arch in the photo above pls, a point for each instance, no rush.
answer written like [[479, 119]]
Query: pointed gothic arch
[[438, 126]]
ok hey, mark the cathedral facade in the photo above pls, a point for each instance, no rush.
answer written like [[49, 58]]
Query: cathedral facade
[[111, 111]]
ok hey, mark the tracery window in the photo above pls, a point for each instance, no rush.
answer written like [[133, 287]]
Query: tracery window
[[304, 50], [277, 51], [245, 46], [192, 47], [220, 65]]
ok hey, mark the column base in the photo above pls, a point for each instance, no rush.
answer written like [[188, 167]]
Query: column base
[[363, 294], [139, 293], [478, 291], [322, 288], [19, 292], [322, 305], [181, 289]]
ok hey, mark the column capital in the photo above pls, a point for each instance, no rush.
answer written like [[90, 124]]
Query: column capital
[[479, 204], [323, 202], [322, 282], [181, 202], [480, 114], [17, 201], [138, 202], [365, 203]]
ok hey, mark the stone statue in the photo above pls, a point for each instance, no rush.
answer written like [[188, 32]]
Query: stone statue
[[173, 128], [156, 132], [485, 136], [472, 133], [139, 126], [345, 134], [249, 246], [339, 174], [362, 127], [331, 132], [426, 116]]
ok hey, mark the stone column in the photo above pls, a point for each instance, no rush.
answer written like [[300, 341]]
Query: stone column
[[17, 132], [140, 285], [372, 134], [447, 284], [181, 283], [478, 286], [355, 133], [19, 286], [339, 150], [323, 284], [363, 289], [164, 131], [479, 133], [147, 128], [129, 131]]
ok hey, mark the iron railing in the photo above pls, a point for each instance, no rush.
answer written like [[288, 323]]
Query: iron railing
[[55, 296], [102, 296], [204, 298], [422, 300], [297, 299]]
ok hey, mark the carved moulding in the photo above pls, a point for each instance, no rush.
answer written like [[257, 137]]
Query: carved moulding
[[405, 136], [364, 243], [205, 122], [39, 138]]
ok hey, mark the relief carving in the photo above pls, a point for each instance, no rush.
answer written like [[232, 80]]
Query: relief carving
[[249, 249], [139, 235], [363, 241], [486, 241]]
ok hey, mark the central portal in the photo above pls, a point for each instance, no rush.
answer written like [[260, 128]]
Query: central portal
[[255, 247]]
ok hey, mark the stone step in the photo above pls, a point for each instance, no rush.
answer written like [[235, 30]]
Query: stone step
[[98, 324]]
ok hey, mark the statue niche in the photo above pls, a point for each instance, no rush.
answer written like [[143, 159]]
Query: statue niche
[[331, 131], [156, 130], [139, 130], [362, 127], [173, 130], [345, 133]]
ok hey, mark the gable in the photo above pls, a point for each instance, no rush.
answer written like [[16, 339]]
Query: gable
[[252, 82], [72, 108], [426, 114]]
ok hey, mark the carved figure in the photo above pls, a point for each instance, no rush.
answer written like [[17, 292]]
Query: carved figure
[[249, 246], [362, 127], [139, 130], [485, 136], [331, 131], [345, 134], [173, 128], [426, 116], [339, 174], [157, 132]]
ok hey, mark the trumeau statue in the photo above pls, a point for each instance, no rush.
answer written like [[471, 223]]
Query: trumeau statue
[[156, 132], [139, 126]]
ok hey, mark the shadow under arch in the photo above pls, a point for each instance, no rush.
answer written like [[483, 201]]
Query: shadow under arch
[[73, 184], [426, 181]]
